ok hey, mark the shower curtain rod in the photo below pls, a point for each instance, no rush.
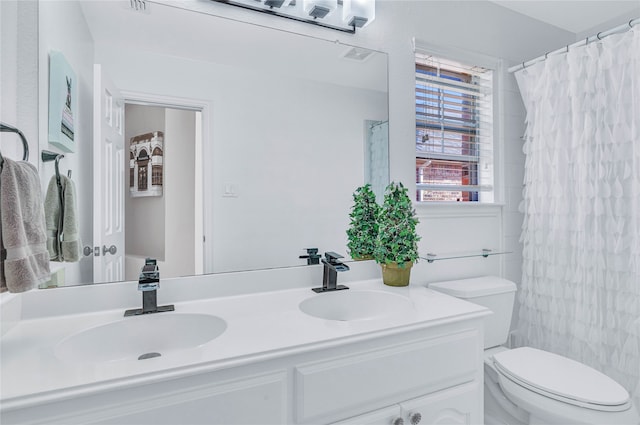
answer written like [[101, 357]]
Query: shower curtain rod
[[598, 36]]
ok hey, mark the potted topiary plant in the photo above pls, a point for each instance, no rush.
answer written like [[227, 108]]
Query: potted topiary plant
[[396, 245], [363, 228]]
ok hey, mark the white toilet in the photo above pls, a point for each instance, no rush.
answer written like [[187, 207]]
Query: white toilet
[[530, 386]]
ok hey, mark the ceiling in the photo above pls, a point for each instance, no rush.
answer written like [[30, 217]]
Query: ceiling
[[575, 16]]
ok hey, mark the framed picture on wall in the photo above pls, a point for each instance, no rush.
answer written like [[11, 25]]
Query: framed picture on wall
[[146, 164], [63, 102]]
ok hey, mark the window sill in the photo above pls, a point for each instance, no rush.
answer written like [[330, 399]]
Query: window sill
[[457, 209]]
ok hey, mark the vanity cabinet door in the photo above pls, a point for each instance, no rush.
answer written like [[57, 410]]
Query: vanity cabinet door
[[458, 405], [388, 416], [353, 383]]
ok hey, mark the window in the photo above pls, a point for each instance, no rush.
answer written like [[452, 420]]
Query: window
[[156, 175], [454, 131], [142, 175], [131, 170]]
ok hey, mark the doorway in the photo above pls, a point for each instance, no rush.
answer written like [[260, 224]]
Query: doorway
[[163, 188]]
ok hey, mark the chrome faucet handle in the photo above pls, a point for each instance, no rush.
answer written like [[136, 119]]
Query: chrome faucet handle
[[332, 257], [333, 260]]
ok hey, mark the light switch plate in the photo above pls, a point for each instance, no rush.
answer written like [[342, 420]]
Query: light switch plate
[[230, 190]]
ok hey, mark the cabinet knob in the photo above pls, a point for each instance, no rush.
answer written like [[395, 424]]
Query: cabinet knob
[[415, 418], [397, 421]]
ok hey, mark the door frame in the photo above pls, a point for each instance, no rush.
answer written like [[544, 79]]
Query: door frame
[[205, 108]]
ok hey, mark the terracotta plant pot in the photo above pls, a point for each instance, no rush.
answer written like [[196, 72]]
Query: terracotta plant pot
[[392, 275]]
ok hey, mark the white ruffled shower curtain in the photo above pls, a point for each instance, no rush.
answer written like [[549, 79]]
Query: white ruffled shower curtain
[[580, 294]]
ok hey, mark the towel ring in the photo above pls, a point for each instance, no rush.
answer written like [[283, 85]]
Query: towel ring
[[5, 128]]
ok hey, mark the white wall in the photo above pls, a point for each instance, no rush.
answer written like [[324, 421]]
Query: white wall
[[290, 166], [514, 127], [18, 72], [180, 157], [607, 25], [74, 40]]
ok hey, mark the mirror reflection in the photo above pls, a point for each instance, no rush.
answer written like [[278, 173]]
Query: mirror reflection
[[233, 146]]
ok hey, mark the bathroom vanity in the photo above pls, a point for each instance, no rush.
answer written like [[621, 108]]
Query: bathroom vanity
[[368, 355]]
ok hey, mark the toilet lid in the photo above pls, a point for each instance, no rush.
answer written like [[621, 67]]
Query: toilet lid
[[561, 378]]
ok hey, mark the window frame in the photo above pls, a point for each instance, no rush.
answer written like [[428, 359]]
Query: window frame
[[496, 196]]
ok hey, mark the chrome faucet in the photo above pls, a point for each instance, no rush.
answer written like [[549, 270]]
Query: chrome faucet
[[332, 265], [148, 284]]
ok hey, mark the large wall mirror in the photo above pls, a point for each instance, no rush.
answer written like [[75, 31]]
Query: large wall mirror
[[241, 144]]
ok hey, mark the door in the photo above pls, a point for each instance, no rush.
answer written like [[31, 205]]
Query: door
[[108, 179]]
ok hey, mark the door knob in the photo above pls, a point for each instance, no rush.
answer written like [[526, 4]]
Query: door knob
[[111, 250], [415, 418]]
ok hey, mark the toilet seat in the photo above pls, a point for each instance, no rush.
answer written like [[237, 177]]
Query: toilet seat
[[561, 379]]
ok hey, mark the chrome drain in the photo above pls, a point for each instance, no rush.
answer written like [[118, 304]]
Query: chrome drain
[[148, 356]]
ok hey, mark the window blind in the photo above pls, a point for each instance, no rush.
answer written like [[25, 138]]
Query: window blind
[[454, 130]]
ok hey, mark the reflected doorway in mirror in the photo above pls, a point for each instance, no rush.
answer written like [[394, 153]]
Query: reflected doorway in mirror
[[376, 157], [146, 169]]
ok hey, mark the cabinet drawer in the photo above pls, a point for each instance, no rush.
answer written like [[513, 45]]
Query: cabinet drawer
[[258, 399], [353, 384]]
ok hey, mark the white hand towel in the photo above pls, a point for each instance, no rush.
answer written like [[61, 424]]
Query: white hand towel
[[25, 263]]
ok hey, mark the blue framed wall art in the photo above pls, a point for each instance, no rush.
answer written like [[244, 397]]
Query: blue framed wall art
[[63, 102]]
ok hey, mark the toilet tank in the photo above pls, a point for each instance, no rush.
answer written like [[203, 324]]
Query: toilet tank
[[493, 292]]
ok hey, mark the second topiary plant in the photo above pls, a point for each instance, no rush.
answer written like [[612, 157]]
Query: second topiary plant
[[363, 228], [397, 242]]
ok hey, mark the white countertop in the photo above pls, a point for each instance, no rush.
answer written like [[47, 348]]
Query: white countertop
[[260, 326]]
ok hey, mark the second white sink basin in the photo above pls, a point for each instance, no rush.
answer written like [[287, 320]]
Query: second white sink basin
[[140, 337], [349, 305]]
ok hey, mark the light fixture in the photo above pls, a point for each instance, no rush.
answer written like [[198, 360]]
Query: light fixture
[[339, 15], [358, 13], [319, 8], [276, 3]]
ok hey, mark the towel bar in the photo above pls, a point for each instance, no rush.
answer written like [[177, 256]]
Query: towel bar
[[5, 128]]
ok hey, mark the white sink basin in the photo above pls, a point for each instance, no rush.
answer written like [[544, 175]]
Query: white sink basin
[[349, 305], [140, 337]]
